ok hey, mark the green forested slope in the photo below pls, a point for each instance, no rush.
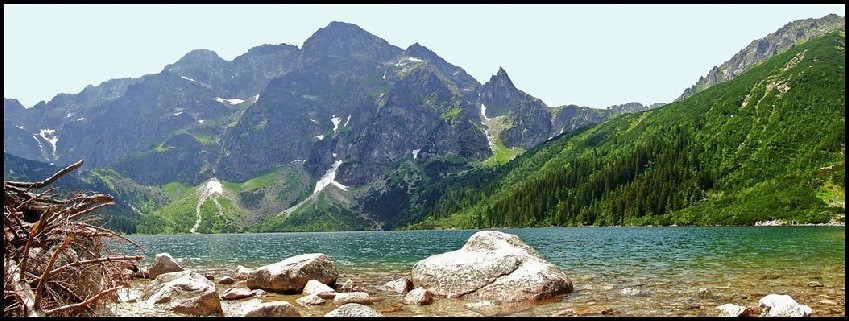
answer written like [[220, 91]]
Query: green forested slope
[[768, 145]]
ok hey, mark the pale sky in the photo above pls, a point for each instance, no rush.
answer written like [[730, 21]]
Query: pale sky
[[589, 55]]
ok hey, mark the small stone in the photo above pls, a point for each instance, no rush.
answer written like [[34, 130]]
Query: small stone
[[704, 293], [733, 310], [347, 286], [828, 302], [815, 284], [353, 310], [566, 313], [227, 280], [352, 297], [632, 292], [419, 296], [210, 276]]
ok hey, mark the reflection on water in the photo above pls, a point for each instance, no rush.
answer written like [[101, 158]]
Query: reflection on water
[[738, 264]]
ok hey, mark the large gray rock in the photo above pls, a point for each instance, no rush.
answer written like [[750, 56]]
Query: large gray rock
[[163, 263], [733, 310], [776, 305], [353, 310], [419, 296], [292, 274], [494, 266], [184, 292], [268, 309]]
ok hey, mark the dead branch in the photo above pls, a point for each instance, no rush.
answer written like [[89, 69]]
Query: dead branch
[[42, 232]]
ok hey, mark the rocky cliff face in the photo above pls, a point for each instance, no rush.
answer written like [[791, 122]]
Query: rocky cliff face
[[348, 104], [786, 37]]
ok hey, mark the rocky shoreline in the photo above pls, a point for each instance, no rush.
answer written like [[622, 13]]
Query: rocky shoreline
[[493, 274]]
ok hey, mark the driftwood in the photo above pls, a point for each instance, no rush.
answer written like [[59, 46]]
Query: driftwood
[[56, 261]]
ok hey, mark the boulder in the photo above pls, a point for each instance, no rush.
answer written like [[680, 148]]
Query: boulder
[[776, 305], [310, 300], [353, 310], [419, 296], [242, 273], [163, 263], [494, 266], [292, 274], [184, 292], [733, 310], [352, 297], [314, 287], [268, 309], [402, 285], [236, 294], [227, 280]]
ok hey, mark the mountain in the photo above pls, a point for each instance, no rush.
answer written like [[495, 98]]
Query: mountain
[[288, 135], [788, 36], [769, 144], [119, 217]]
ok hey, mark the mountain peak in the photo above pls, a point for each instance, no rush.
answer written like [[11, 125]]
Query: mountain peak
[[501, 77], [202, 55]]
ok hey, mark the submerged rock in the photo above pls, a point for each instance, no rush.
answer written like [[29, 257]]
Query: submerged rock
[[292, 274], [242, 273], [491, 265], [311, 299], [352, 297], [353, 310], [632, 292], [163, 263], [777, 305], [269, 309], [733, 310], [419, 296], [236, 294], [184, 292]]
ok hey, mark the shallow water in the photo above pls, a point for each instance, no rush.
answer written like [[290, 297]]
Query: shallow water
[[667, 264]]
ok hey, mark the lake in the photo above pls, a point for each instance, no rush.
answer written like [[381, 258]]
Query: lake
[[667, 264]]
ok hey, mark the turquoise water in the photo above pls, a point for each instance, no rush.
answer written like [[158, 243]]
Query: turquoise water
[[740, 264]]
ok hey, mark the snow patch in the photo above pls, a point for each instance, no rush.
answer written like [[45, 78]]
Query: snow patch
[[347, 121], [414, 59], [214, 187], [79, 119], [320, 137], [298, 160], [329, 178], [483, 112], [416, 153], [384, 74], [187, 78], [68, 115], [201, 121], [20, 127], [313, 120], [178, 113], [335, 120], [50, 136], [334, 155], [230, 101]]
